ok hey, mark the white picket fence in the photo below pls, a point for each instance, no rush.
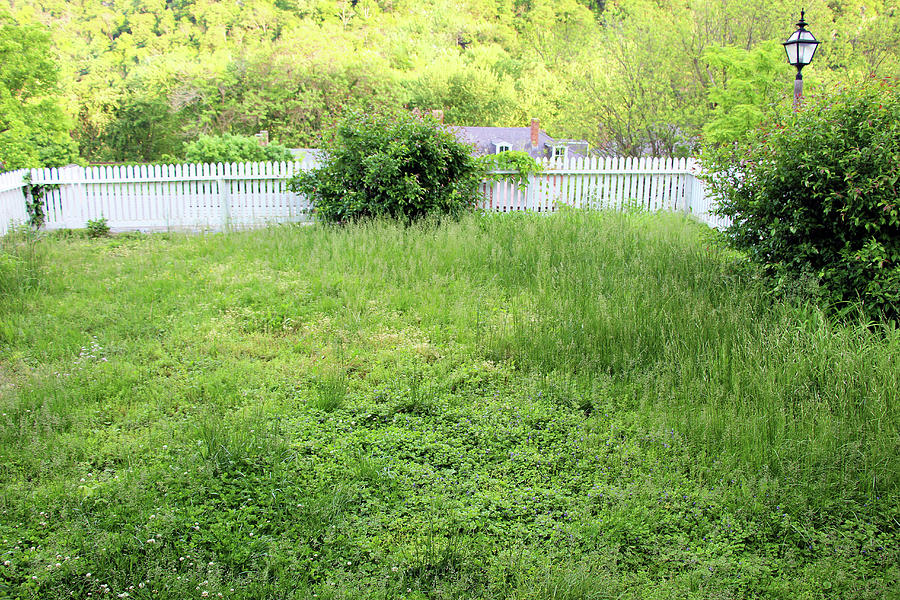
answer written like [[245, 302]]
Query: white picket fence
[[12, 199], [607, 183], [223, 196]]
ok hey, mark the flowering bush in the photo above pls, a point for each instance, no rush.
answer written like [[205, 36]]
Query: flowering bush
[[816, 193], [398, 166]]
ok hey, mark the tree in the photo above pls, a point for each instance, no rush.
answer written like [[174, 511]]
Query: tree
[[143, 130], [469, 94], [34, 129], [640, 96], [748, 86]]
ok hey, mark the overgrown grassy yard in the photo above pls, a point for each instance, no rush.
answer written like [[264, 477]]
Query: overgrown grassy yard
[[574, 406]]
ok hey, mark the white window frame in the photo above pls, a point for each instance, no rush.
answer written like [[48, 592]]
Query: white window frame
[[555, 151], [501, 147]]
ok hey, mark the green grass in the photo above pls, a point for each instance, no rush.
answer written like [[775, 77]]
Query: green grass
[[574, 406]]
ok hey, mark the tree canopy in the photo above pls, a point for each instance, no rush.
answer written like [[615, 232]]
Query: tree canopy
[[34, 129], [139, 78]]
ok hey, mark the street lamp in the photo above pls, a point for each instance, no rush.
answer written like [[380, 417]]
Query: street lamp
[[800, 48]]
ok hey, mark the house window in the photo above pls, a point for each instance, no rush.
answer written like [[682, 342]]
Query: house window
[[560, 152], [501, 147]]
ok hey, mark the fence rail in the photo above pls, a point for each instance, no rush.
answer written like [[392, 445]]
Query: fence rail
[[240, 195]]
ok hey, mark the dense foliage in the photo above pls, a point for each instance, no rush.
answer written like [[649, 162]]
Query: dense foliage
[[141, 77], [233, 148], [392, 165], [816, 194], [34, 129]]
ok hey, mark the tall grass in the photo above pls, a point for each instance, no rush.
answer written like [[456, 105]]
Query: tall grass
[[646, 312], [21, 259], [505, 406]]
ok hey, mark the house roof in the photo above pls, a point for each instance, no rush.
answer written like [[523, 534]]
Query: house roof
[[518, 138]]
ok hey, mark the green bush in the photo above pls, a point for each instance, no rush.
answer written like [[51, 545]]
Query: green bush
[[397, 166], [229, 148], [815, 194], [516, 167], [97, 228]]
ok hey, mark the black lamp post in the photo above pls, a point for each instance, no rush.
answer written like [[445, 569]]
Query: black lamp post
[[800, 48]]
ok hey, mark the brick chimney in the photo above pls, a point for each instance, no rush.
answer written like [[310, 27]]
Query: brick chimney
[[535, 132]]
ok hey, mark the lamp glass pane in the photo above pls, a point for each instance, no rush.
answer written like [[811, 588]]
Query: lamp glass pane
[[792, 53], [806, 52]]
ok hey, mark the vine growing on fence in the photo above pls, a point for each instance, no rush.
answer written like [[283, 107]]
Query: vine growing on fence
[[34, 201]]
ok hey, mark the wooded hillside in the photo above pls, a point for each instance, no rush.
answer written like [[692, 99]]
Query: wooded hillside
[[139, 78]]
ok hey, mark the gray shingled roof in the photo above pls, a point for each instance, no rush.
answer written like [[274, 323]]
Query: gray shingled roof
[[518, 138]]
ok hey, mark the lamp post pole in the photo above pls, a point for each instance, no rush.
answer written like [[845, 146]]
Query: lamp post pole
[[798, 88]]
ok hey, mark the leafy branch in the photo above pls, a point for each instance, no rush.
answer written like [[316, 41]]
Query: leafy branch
[[513, 166]]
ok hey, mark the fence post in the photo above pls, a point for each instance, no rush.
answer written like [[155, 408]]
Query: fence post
[[224, 199], [693, 195]]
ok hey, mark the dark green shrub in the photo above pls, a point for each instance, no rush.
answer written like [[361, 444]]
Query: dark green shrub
[[397, 166], [816, 193], [233, 148]]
